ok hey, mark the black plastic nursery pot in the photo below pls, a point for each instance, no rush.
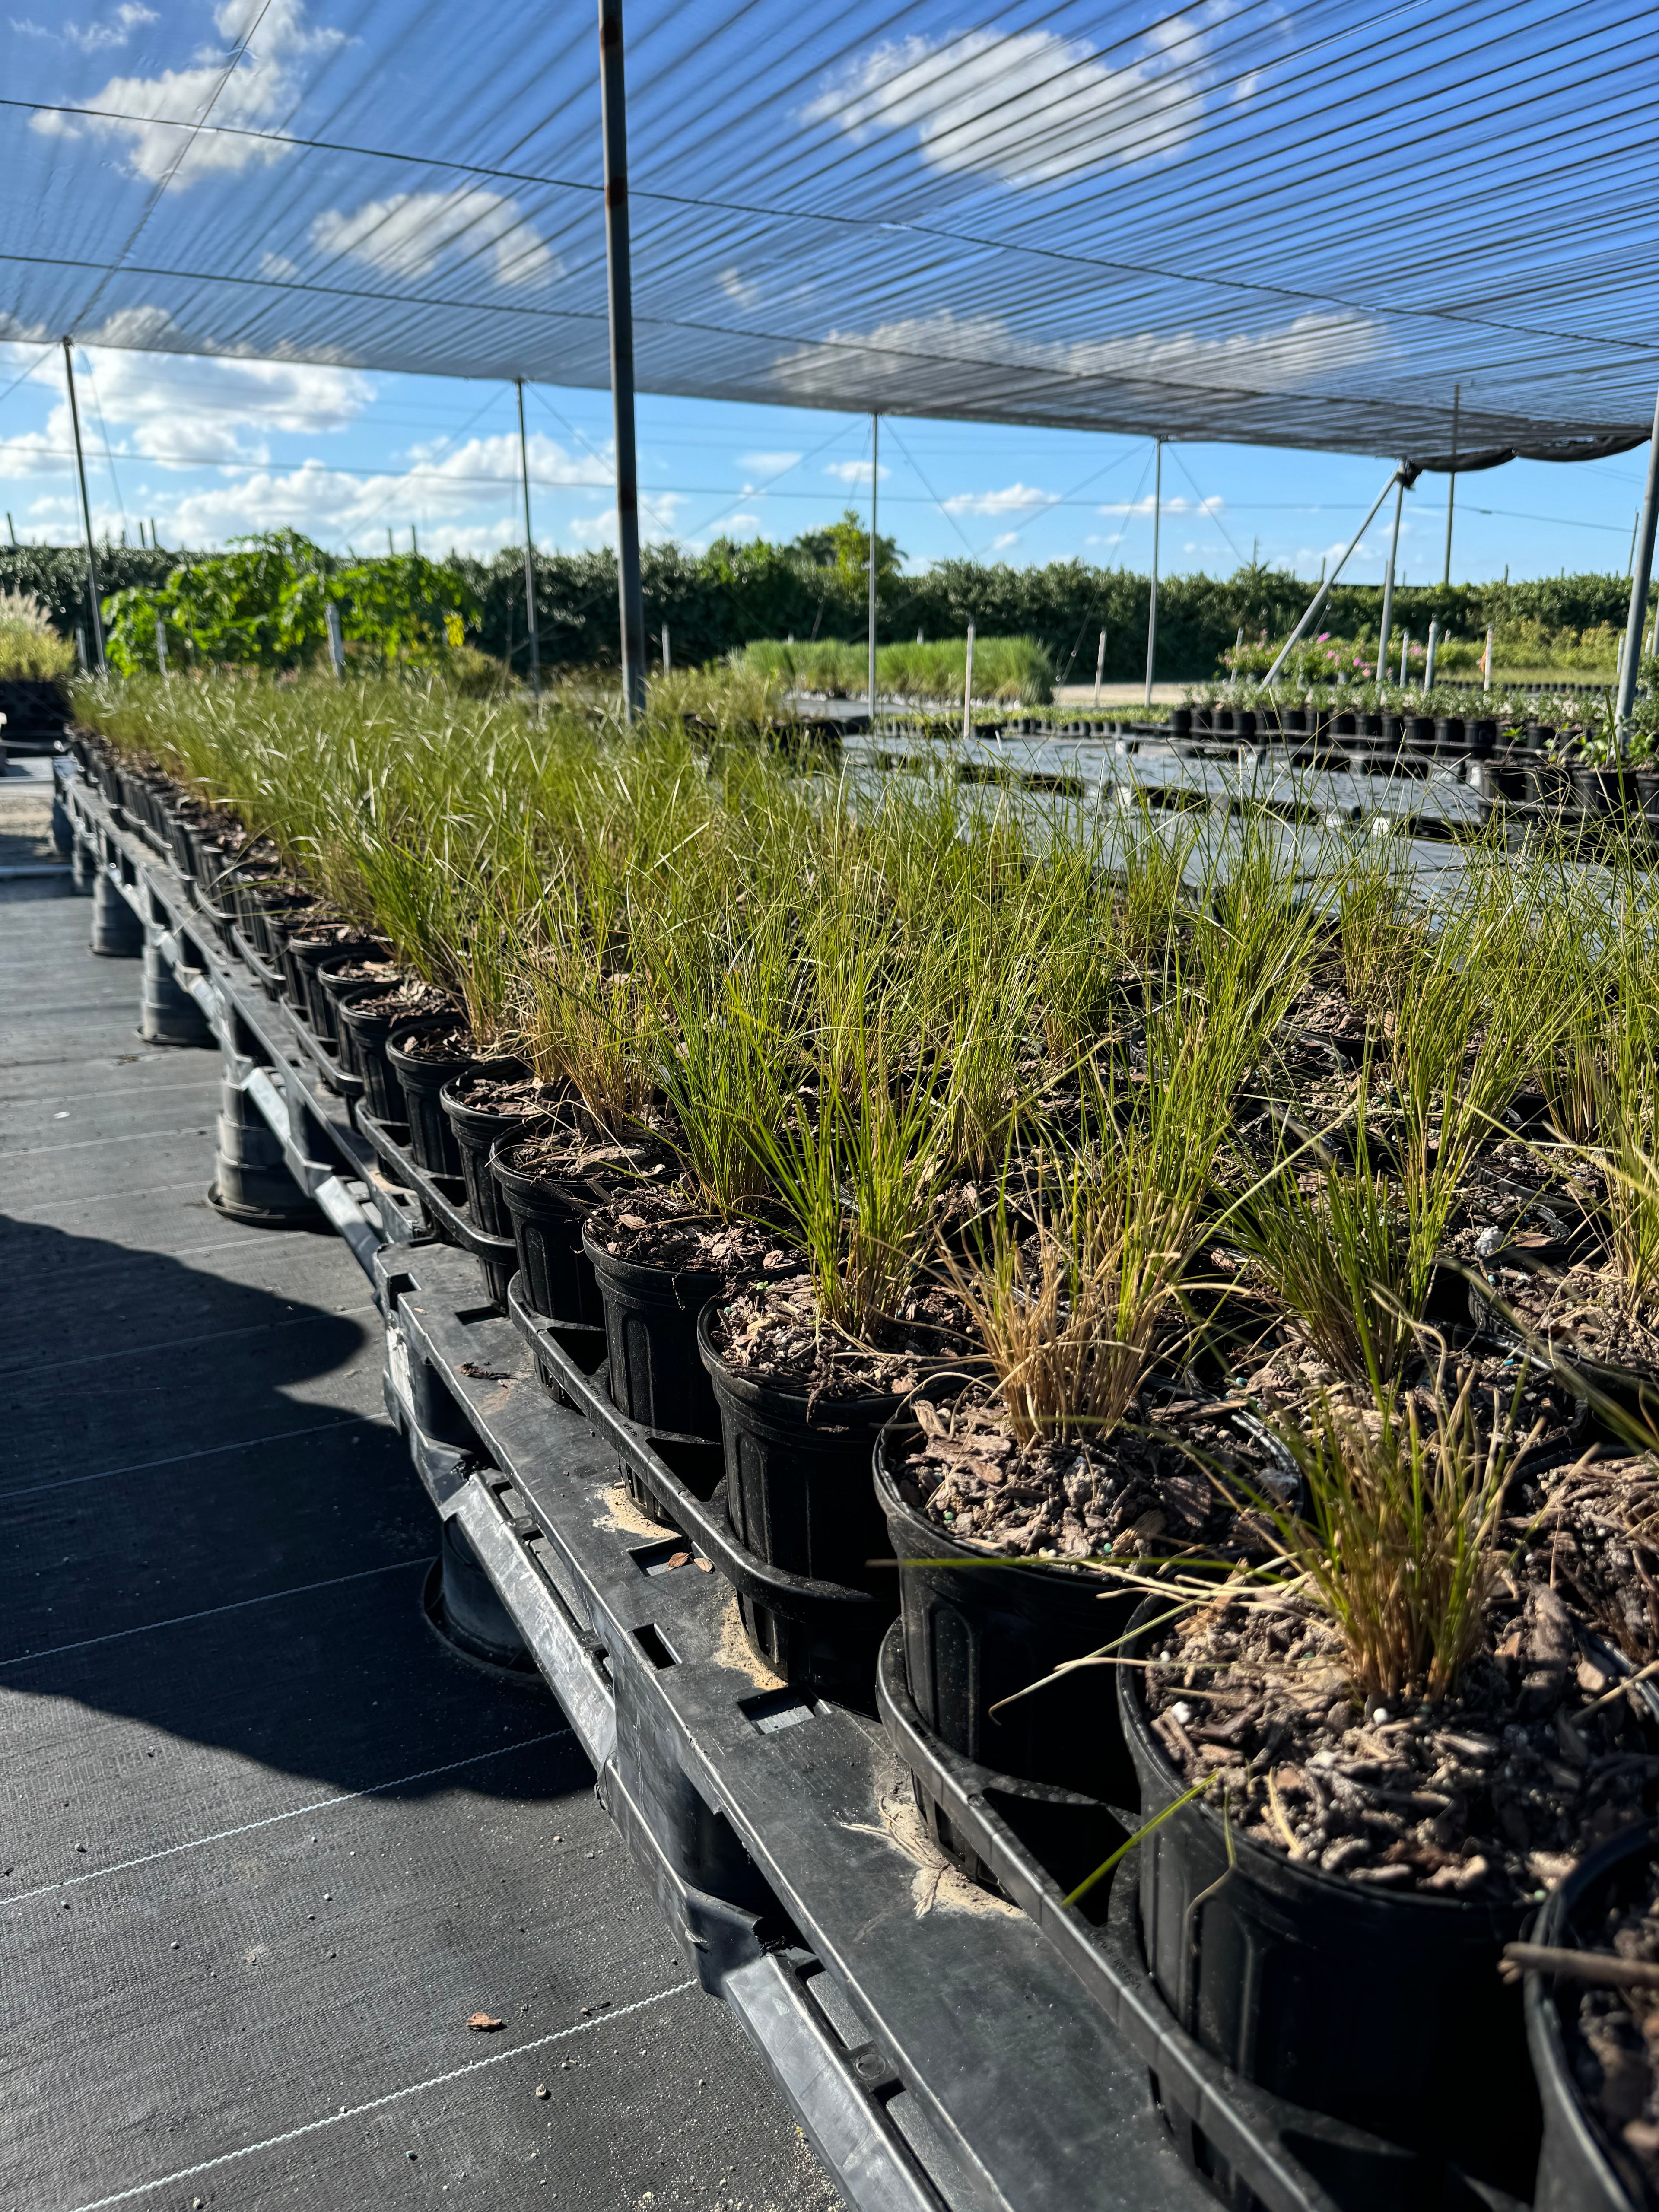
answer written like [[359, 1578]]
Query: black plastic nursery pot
[[1180, 721], [1450, 738], [1605, 794], [477, 1131], [798, 1494], [421, 1082], [555, 1271], [302, 956], [1549, 783], [1384, 2010], [365, 1025], [1580, 2167], [1647, 792], [978, 1630], [657, 1374]]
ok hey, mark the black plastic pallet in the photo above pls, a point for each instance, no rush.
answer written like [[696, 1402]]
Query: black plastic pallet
[[942, 2046]]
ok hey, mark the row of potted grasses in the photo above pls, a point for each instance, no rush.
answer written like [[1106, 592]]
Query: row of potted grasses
[[1017, 1057]]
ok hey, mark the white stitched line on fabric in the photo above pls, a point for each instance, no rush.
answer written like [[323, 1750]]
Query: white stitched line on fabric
[[271, 1819], [189, 1343], [179, 1619], [208, 1451], [92, 1144], [376, 2104], [105, 1197]]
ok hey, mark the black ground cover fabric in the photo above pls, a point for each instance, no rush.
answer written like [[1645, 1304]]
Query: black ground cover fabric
[[264, 1843]]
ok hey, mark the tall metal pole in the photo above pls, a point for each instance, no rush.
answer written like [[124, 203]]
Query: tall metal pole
[[86, 513], [1388, 588], [614, 105], [875, 477], [529, 551], [1325, 589], [1641, 574], [1151, 605], [1451, 483], [1100, 665]]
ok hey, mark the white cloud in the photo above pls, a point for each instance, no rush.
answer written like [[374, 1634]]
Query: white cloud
[[1003, 539], [1016, 499], [279, 268], [92, 38], [443, 492], [1026, 106], [939, 363], [183, 407], [1175, 504], [410, 234], [735, 287], [768, 464], [657, 515], [455, 471], [257, 95], [854, 472]]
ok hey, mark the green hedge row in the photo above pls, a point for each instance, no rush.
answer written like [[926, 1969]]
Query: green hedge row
[[716, 601]]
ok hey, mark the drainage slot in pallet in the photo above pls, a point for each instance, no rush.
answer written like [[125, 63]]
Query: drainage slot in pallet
[[662, 1559], [777, 1710], [656, 1646]]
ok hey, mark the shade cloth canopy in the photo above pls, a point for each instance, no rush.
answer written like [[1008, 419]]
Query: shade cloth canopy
[[1298, 225]]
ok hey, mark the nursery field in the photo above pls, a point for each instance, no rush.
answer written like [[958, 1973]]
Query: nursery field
[[1241, 1277]]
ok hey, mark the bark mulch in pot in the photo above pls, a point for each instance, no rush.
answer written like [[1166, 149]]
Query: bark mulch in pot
[[1495, 1791]]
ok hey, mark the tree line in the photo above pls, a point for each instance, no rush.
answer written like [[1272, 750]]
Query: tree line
[[714, 601]]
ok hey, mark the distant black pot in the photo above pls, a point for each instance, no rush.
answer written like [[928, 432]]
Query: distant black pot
[[477, 1131], [1368, 725], [331, 986], [1263, 1959], [421, 1080], [365, 1025], [556, 1274], [1222, 720], [1549, 783], [1605, 794], [657, 1374], [1647, 792], [1420, 733], [1482, 737], [301, 957], [1450, 736], [975, 1633], [1203, 721], [1392, 733], [798, 1494], [1539, 735], [1180, 721], [1581, 2167]]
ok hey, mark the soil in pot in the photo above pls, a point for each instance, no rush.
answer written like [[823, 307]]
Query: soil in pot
[[960, 1490], [1595, 2046], [1384, 1850], [423, 1056], [490, 1104]]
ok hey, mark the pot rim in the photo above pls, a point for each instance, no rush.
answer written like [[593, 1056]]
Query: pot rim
[[1273, 1870], [748, 1388]]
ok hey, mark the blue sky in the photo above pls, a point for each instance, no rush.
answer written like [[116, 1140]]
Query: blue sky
[[270, 223], [345, 455]]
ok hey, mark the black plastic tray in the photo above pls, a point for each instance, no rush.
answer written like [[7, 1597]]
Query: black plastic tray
[[683, 1473]]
